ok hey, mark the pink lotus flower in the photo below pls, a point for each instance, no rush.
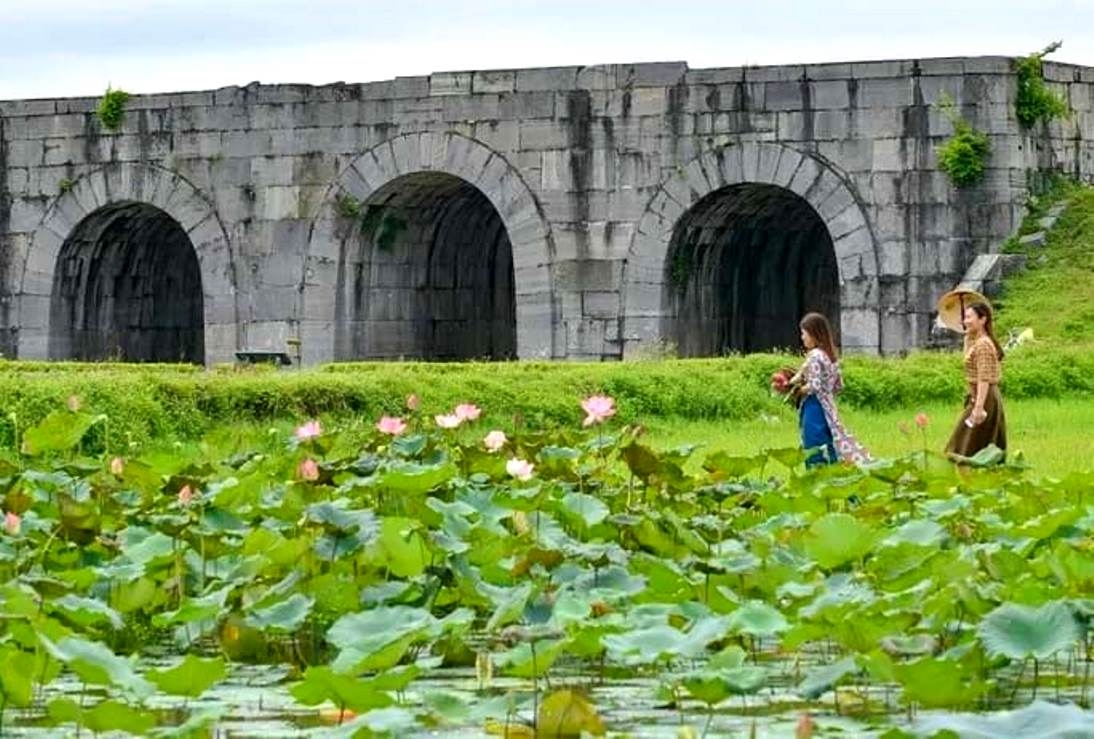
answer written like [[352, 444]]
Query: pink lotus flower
[[448, 422], [73, 403], [117, 466], [468, 412], [391, 426], [922, 420], [805, 727], [494, 441], [308, 431], [413, 402], [308, 470], [186, 495], [598, 408], [12, 523], [520, 469]]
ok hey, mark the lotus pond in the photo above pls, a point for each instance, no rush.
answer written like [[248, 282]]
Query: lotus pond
[[423, 577]]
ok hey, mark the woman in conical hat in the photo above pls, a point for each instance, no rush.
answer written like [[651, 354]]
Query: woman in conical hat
[[982, 422]]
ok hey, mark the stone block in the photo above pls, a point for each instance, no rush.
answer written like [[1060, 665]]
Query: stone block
[[494, 81], [830, 94], [878, 123], [782, 96], [547, 78], [544, 135], [527, 105], [597, 77], [1036, 239], [450, 83], [25, 153], [859, 331], [881, 70], [942, 66], [499, 135], [835, 71], [776, 73], [650, 74], [889, 92], [893, 259], [650, 101], [26, 214], [989, 65], [715, 76], [410, 87]]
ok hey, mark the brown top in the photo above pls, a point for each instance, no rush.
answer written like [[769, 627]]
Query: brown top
[[982, 362]]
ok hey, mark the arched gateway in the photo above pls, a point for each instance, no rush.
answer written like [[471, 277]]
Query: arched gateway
[[130, 263], [736, 246], [436, 248]]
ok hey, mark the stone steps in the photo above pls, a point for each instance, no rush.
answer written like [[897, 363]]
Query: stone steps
[[985, 275]]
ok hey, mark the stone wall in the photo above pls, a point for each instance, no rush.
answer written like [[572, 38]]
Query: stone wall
[[586, 170]]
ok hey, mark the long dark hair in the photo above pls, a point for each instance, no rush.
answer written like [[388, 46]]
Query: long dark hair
[[983, 310], [818, 327]]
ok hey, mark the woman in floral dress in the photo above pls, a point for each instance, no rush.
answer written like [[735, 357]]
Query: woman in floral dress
[[821, 381]]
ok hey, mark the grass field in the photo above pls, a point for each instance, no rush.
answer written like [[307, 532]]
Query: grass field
[[1055, 294], [1054, 437]]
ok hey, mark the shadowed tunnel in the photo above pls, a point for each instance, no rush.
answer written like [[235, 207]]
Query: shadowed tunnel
[[127, 287], [745, 263], [428, 274]]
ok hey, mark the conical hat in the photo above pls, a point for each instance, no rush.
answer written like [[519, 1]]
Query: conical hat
[[951, 308]]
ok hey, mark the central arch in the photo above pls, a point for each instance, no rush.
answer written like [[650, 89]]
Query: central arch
[[735, 246], [744, 264], [438, 249], [127, 287], [428, 274]]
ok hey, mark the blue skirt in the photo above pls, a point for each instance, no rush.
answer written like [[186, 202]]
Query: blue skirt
[[815, 433]]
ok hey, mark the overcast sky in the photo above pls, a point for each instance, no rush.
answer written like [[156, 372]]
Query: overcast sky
[[54, 48]]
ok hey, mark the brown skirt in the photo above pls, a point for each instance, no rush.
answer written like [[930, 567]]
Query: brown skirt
[[993, 430]]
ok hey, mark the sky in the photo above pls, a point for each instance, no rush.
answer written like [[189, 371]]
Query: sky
[[62, 48]]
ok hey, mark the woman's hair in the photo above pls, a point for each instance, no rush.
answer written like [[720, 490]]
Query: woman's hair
[[983, 310], [818, 327]]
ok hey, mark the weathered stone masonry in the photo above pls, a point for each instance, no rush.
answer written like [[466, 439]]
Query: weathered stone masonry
[[577, 212]]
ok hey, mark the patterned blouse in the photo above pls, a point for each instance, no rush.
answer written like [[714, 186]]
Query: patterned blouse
[[982, 362], [821, 378]]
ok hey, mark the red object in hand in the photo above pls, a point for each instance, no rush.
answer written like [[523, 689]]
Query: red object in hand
[[780, 381]]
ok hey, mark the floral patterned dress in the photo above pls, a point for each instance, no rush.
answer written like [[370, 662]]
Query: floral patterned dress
[[822, 379]]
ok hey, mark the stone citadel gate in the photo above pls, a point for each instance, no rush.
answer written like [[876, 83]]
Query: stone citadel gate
[[578, 212]]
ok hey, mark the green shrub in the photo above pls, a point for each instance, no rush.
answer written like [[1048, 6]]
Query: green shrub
[[112, 108], [1034, 102], [964, 155]]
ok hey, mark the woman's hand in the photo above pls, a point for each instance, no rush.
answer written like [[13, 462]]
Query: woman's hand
[[978, 416]]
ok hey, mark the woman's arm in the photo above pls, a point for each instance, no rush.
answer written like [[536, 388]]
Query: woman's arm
[[811, 374], [986, 370], [978, 413]]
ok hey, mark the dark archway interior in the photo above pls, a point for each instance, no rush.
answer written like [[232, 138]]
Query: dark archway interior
[[745, 263], [427, 274], [128, 287]]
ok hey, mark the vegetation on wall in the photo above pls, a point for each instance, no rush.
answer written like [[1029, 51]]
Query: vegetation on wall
[[1035, 103], [112, 108], [963, 156], [377, 224]]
